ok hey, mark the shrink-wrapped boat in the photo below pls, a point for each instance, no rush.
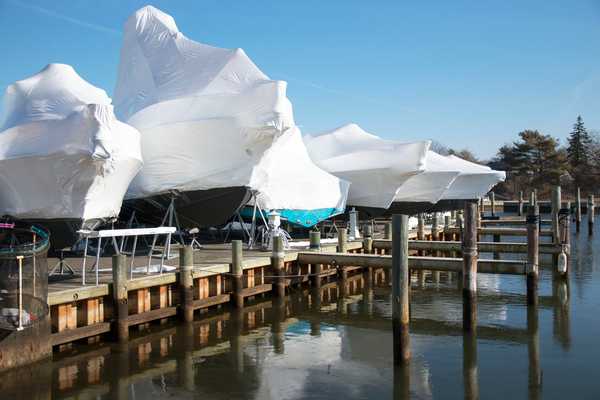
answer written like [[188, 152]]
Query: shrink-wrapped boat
[[210, 122], [64, 157]]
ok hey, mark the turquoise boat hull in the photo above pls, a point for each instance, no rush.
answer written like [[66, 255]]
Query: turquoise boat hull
[[304, 218]]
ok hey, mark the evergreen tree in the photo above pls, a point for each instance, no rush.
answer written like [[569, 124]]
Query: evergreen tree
[[534, 162], [578, 151]]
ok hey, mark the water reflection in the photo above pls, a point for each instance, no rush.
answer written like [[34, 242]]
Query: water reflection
[[322, 342]]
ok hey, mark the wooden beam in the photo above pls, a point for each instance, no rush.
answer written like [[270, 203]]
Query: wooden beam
[[79, 333], [159, 313], [483, 247], [502, 231], [414, 263]]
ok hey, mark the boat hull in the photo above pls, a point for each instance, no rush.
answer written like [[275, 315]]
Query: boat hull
[[198, 208]]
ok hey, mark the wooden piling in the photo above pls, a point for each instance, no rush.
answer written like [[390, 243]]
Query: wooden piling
[[186, 281], [278, 265], [368, 245], [578, 211], [493, 203], [315, 245], [435, 232], [532, 254], [556, 205], [315, 240], [237, 272], [388, 231], [469, 251], [520, 210], [119, 273], [421, 230], [342, 246], [591, 214], [400, 289]]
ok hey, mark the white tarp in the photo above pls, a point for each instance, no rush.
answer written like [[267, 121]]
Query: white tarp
[[474, 181], [375, 167], [209, 118], [63, 154], [448, 178]]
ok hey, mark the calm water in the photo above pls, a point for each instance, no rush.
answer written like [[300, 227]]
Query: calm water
[[341, 348]]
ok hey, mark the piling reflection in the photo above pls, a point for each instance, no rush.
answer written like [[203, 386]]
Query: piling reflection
[[242, 353]]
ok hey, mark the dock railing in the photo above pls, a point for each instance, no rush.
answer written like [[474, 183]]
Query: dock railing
[[113, 234]]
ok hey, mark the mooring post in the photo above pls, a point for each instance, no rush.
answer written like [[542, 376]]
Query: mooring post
[[278, 265], [493, 203], [315, 240], [435, 232], [469, 272], [387, 234], [496, 239], [119, 274], [186, 281], [315, 245], [591, 214], [446, 228], [400, 289], [237, 273], [562, 261], [533, 243], [556, 205], [342, 246], [520, 209], [368, 243], [578, 211], [420, 230]]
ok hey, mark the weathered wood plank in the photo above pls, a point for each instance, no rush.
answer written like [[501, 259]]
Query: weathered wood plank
[[79, 333], [151, 315]]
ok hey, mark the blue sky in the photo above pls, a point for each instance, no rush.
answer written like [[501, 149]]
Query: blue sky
[[466, 73]]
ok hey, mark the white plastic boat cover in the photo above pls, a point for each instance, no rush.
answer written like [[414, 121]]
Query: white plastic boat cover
[[448, 178], [474, 180], [375, 167], [63, 154], [209, 118]]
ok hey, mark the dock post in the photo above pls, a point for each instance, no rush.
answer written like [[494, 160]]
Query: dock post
[[435, 232], [278, 264], [400, 289], [315, 245], [591, 214], [368, 244], [493, 203], [578, 211], [119, 274], [342, 246], [315, 240], [446, 228], [237, 272], [562, 265], [420, 230], [388, 231], [186, 281], [556, 205], [533, 243], [469, 272], [520, 210]]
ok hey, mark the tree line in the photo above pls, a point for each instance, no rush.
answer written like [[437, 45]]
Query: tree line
[[538, 162]]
